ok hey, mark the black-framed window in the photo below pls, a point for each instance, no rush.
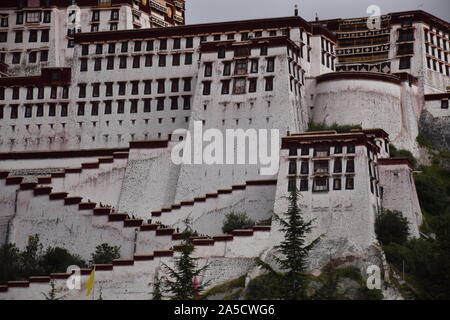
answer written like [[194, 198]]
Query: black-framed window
[[174, 103], [292, 167], [160, 104], [338, 149], [320, 184], [227, 68], [94, 108], [304, 168], [270, 64], [239, 85], [109, 89], [305, 151], [187, 84], [30, 91], [123, 62], [161, 86], [65, 92], [121, 106], [208, 69], [97, 64], [350, 166], [96, 89], [188, 58], [162, 60], [84, 65], [124, 47], [28, 111], [108, 107], [44, 55], [53, 92], [40, 110], [95, 15], [99, 48], [137, 46], [82, 90], [134, 106], [175, 85], [186, 102], [189, 43], [337, 165], [32, 58], [2, 107], [292, 185], [293, 151], [147, 105], [134, 87], [52, 109], [81, 107], [337, 184], [264, 50], [269, 83], [14, 111], [349, 183], [225, 87], [176, 59], [64, 109], [147, 86], [206, 88], [136, 62], [405, 63], [15, 93], [176, 43], [110, 63], [19, 36], [112, 48], [163, 44], [41, 91], [254, 66], [114, 15], [148, 60], [221, 53], [16, 57], [19, 18], [85, 50], [444, 104], [122, 88], [303, 184], [252, 86], [33, 35], [150, 45]]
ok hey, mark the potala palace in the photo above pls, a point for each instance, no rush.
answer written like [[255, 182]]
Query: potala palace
[[90, 115]]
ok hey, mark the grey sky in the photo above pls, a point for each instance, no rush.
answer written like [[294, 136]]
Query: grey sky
[[203, 11]]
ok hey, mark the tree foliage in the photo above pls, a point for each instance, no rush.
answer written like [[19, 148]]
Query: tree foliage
[[104, 254], [235, 221], [391, 226], [179, 284], [294, 250]]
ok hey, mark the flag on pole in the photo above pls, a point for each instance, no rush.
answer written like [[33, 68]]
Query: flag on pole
[[90, 282]]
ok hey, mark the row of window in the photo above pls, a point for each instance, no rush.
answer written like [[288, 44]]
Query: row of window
[[240, 67], [322, 151], [239, 85], [322, 166], [438, 66], [134, 106], [33, 36], [138, 46], [136, 61], [135, 86], [32, 56], [15, 93], [30, 17], [321, 184]]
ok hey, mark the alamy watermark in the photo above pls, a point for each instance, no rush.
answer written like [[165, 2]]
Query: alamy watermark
[[252, 146]]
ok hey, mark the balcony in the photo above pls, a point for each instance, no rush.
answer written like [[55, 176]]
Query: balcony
[[155, 5], [159, 22], [178, 18]]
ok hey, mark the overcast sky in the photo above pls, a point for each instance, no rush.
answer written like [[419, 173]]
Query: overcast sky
[[203, 11]]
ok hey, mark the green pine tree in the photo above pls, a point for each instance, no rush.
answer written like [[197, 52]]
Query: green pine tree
[[180, 281], [294, 251]]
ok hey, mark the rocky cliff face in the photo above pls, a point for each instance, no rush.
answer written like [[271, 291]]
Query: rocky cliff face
[[436, 129]]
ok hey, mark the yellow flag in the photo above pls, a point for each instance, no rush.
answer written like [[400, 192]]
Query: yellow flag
[[90, 282]]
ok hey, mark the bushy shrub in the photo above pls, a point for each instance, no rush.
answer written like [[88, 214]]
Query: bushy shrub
[[401, 153], [234, 221], [313, 126], [58, 259], [105, 254], [266, 286], [391, 226]]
